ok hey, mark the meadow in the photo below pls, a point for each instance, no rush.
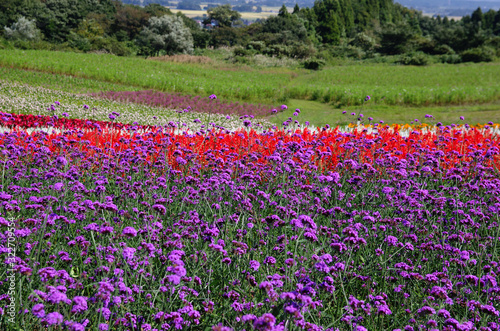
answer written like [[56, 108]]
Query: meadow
[[127, 206], [400, 85], [228, 83]]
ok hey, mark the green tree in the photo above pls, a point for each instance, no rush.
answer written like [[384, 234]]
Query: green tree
[[154, 9], [23, 29], [223, 15], [129, 21], [329, 29], [168, 34], [201, 37], [9, 9], [395, 39], [283, 12]]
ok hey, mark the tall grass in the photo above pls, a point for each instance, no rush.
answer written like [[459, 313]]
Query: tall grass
[[400, 85], [230, 83]]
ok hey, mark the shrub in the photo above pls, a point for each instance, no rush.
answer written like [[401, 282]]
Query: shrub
[[314, 64], [450, 58], [479, 54], [302, 51], [363, 41], [242, 60], [240, 51], [348, 52], [257, 45], [414, 59], [444, 49], [495, 44]]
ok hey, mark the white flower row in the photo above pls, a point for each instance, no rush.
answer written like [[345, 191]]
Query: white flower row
[[25, 99]]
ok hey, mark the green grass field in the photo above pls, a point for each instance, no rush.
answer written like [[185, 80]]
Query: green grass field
[[399, 94], [437, 85], [227, 82]]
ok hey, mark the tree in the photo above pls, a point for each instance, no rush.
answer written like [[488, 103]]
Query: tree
[[283, 12], [157, 10], [201, 37], [167, 33], [129, 21], [329, 29], [56, 18], [23, 29], [395, 39], [9, 9], [224, 16]]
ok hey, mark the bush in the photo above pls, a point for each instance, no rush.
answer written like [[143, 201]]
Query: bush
[[479, 54], [414, 59], [444, 50], [363, 41], [257, 45], [495, 44], [242, 60], [450, 58], [23, 29], [348, 52], [302, 51], [240, 51], [314, 64]]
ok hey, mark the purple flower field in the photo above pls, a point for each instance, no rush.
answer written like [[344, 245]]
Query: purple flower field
[[250, 231]]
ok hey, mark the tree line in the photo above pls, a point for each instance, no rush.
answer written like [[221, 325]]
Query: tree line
[[330, 28]]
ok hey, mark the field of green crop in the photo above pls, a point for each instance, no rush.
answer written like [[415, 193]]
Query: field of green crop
[[400, 85], [230, 83]]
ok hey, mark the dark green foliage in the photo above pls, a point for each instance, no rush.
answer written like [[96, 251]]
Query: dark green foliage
[[9, 10], [226, 36], [286, 28], [130, 20], [450, 58], [479, 54], [414, 59], [395, 38], [283, 12], [223, 15], [363, 41], [155, 9], [314, 64], [201, 37], [240, 51], [347, 51]]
